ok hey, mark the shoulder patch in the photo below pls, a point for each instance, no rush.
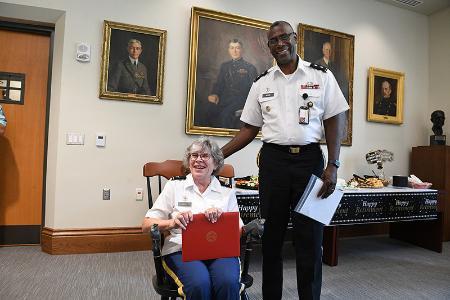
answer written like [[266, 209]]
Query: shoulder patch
[[178, 178], [318, 67], [261, 75]]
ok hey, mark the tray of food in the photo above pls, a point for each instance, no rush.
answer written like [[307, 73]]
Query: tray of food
[[247, 182], [367, 182]]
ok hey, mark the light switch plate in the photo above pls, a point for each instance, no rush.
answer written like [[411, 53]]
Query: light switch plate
[[74, 138]]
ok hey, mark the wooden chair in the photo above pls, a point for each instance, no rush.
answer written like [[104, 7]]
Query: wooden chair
[[161, 283]]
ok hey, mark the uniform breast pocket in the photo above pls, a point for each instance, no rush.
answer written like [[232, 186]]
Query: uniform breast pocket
[[313, 101], [268, 102]]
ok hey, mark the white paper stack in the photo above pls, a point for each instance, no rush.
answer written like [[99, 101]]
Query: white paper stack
[[310, 205]]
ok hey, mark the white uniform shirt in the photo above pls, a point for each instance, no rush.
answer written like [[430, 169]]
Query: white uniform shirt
[[274, 100], [183, 195]]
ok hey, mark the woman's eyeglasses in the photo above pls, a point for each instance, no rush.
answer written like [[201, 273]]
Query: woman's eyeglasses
[[202, 156]]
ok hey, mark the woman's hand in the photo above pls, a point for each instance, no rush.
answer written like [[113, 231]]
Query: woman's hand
[[213, 214], [182, 219]]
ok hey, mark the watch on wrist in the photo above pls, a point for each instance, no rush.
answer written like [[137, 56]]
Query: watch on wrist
[[335, 163]]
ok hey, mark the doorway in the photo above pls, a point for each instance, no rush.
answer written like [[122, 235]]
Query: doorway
[[25, 53]]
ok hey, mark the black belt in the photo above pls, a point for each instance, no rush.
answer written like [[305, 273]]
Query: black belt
[[293, 149]]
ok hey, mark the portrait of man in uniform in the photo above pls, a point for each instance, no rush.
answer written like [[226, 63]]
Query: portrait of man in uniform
[[130, 75], [132, 66], [333, 50], [228, 56], [385, 97], [231, 88]]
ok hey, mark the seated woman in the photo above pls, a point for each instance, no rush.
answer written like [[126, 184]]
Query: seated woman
[[200, 192]]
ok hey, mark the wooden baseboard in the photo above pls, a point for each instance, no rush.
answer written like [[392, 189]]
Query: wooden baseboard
[[98, 240]]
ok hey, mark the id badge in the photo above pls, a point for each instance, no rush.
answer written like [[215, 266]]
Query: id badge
[[303, 115]]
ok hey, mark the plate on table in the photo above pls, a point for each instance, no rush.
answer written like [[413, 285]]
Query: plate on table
[[371, 187], [247, 183], [246, 187]]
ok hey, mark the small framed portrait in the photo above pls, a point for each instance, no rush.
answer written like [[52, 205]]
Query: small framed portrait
[[227, 53], [132, 63], [385, 100], [335, 51]]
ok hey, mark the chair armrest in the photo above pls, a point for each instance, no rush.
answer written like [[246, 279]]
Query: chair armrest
[[156, 248], [254, 228], [252, 231]]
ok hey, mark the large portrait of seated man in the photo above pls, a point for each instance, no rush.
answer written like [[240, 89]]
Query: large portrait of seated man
[[227, 53]]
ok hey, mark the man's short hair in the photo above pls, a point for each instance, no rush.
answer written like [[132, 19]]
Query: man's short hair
[[235, 41], [277, 23], [133, 41]]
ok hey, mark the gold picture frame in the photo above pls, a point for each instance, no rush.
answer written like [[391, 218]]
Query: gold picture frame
[[385, 99], [120, 79], [314, 44], [212, 107]]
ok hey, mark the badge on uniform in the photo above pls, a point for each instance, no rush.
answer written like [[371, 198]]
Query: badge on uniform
[[267, 95], [184, 203], [310, 86], [139, 75], [303, 115]]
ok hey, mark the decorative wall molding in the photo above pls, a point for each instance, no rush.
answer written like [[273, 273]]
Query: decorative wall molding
[[95, 240]]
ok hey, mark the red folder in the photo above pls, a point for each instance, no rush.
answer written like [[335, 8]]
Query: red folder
[[204, 240]]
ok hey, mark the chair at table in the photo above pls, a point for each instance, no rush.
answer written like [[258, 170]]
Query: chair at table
[[161, 283]]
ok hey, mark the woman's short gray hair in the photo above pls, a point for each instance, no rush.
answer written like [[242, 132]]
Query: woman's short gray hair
[[205, 143]]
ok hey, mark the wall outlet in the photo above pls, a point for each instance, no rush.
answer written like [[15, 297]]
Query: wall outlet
[[106, 194], [139, 194]]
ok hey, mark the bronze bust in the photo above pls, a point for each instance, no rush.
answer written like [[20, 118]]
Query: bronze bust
[[438, 119]]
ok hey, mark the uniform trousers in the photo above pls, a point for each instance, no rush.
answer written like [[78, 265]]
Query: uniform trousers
[[282, 179], [217, 279]]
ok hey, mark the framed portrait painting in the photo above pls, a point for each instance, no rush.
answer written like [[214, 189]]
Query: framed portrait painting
[[132, 63], [385, 100], [335, 51], [227, 53]]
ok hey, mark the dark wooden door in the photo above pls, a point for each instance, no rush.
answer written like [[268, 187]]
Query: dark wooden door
[[22, 148]]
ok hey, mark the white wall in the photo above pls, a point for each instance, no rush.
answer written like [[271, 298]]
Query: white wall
[[385, 37], [439, 94]]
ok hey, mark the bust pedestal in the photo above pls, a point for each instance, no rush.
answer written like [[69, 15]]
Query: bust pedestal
[[437, 140]]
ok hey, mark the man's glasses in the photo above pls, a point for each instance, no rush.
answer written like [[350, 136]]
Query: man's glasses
[[202, 156], [284, 38]]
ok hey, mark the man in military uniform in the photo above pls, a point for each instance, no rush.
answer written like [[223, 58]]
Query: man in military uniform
[[228, 94], [289, 102], [130, 75], [386, 105]]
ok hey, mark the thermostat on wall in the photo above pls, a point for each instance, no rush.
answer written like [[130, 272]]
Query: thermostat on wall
[[100, 140], [83, 52]]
